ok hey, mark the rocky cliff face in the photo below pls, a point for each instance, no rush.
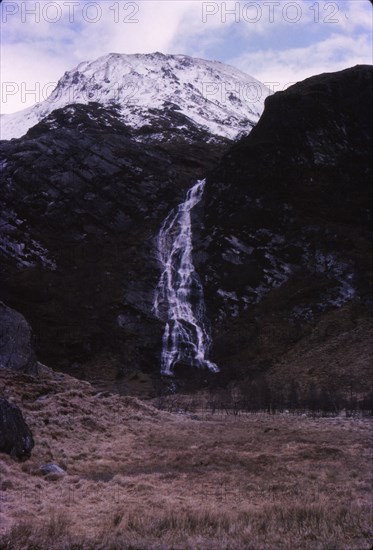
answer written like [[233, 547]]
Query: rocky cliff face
[[82, 202], [284, 239], [280, 238]]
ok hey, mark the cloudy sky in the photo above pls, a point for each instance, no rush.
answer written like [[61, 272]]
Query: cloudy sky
[[277, 42]]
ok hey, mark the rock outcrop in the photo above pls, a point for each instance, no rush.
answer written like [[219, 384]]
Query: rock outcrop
[[15, 436], [16, 342]]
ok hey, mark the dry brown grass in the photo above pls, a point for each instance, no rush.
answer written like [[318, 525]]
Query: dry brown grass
[[338, 353], [138, 478]]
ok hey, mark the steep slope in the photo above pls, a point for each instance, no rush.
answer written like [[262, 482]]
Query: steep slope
[[84, 193], [146, 88], [81, 204], [285, 235]]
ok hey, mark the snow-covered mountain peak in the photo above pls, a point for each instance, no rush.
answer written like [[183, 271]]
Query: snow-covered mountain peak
[[214, 96]]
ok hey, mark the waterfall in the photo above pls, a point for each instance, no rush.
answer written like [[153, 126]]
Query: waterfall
[[179, 298]]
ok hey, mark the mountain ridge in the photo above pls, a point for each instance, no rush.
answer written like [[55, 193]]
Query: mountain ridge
[[215, 97]]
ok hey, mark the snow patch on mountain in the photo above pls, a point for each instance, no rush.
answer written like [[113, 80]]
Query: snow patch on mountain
[[216, 97]]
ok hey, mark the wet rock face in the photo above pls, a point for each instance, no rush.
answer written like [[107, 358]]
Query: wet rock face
[[15, 436], [82, 199], [285, 233], [16, 342]]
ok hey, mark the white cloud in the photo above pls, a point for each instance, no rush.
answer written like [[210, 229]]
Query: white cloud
[[35, 53], [285, 67], [157, 25], [358, 15]]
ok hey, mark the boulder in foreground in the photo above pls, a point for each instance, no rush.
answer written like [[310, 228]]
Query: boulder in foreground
[[15, 436], [16, 341]]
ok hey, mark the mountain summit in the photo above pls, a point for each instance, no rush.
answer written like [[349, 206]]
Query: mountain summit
[[208, 95]]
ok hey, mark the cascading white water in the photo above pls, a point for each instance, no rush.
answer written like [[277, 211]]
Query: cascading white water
[[179, 295]]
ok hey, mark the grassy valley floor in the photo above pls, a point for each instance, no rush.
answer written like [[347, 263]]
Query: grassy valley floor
[[139, 478]]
